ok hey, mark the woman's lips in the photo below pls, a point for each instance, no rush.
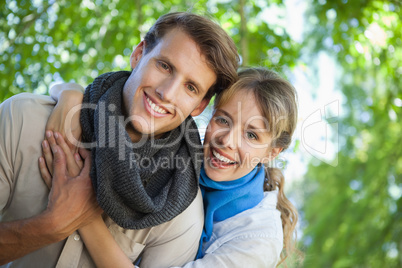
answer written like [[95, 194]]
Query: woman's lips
[[217, 163]]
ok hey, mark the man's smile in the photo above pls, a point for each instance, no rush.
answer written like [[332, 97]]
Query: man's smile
[[153, 108]]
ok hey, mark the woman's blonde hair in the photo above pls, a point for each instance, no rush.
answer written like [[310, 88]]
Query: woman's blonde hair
[[276, 99]]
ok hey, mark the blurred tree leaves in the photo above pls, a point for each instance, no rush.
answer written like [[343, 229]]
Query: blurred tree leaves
[[44, 41], [353, 212]]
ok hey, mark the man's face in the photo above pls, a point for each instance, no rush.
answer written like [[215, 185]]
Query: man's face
[[167, 85]]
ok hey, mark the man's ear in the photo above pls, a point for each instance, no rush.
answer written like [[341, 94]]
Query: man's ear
[[201, 107], [272, 154], [137, 54]]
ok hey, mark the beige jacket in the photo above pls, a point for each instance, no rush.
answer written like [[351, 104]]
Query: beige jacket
[[23, 194]]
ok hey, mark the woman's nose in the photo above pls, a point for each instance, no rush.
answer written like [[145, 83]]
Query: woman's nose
[[229, 138]]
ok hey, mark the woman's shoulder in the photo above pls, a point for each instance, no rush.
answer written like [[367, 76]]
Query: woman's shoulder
[[270, 200], [261, 224], [263, 220]]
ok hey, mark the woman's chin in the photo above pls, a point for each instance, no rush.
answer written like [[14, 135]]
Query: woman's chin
[[216, 174]]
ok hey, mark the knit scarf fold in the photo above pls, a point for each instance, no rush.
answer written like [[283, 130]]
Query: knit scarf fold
[[226, 199], [138, 185]]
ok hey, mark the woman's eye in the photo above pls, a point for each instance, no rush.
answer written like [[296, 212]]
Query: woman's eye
[[191, 88], [251, 136], [221, 120]]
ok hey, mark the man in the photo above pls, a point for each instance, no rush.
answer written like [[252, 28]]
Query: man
[[182, 61]]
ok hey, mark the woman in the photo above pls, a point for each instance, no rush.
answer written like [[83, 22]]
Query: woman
[[248, 219]]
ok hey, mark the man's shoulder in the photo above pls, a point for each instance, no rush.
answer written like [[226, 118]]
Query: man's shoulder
[[29, 99], [190, 220], [26, 105], [194, 212], [25, 115]]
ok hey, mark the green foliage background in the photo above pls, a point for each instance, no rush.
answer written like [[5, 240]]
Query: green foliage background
[[351, 211], [41, 41]]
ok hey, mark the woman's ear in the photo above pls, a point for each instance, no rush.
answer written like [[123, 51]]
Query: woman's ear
[[137, 54], [273, 153]]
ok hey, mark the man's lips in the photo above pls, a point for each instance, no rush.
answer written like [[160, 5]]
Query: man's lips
[[153, 108]]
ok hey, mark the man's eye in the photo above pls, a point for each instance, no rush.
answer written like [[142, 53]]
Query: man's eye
[[164, 66]]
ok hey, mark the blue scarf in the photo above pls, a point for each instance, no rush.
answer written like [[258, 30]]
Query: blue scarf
[[225, 199]]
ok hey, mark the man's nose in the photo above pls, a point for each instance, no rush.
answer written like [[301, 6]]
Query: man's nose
[[168, 90]]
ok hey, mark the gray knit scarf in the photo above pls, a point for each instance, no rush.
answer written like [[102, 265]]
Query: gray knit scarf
[[137, 186]]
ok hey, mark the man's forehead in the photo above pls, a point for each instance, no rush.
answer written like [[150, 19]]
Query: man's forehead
[[185, 59]]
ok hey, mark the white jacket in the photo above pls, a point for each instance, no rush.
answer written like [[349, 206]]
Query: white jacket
[[253, 238]]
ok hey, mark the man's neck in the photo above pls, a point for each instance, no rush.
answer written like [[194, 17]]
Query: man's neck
[[137, 136]]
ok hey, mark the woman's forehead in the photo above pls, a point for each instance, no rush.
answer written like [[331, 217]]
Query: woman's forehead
[[243, 108]]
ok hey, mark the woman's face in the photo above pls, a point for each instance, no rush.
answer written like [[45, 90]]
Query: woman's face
[[236, 139]]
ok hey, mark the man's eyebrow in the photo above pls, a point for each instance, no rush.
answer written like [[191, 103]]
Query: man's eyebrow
[[167, 60], [191, 81], [197, 85]]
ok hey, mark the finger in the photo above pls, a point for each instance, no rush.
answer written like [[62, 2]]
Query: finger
[[47, 178], [87, 162], [84, 153], [59, 163], [50, 139], [73, 139], [78, 160], [48, 156], [72, 166]]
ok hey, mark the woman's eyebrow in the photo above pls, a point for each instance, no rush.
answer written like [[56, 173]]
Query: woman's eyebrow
[[262, 130], [225, 113]]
